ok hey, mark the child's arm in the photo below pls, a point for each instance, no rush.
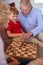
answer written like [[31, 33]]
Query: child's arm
[[22, 31], [14, 35]]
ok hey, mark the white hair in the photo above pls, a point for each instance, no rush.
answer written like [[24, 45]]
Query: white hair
[[25, 2]]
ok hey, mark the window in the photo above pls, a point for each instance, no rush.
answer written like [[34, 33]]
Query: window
[[38, 1]]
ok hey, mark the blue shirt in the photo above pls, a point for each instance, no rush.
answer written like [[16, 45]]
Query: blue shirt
[[33, 22]]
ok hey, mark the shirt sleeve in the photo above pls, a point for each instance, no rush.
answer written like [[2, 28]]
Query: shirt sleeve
[[39, 27], [9, 26]]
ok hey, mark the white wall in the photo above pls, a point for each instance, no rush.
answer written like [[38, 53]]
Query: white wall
[[16, 3], [40, 6]]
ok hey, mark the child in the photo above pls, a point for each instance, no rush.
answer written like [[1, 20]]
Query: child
[[14, 28], [3, 20]]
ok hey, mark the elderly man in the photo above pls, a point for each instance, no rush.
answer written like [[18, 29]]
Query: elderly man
[[32, 23], [30, 19]]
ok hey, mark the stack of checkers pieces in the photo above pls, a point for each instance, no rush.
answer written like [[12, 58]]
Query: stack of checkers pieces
[[22, 50]]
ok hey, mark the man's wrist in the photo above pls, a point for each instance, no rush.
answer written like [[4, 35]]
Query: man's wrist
[[32, 34]]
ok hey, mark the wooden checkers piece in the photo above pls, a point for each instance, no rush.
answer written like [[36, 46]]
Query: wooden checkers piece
[[22, 50]]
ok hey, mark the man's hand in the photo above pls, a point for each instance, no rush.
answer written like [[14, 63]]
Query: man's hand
[[26, 35], [38, 61], [29, 34]]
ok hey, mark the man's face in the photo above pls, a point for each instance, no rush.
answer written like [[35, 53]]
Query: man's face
[[13, 17], [25, 9]]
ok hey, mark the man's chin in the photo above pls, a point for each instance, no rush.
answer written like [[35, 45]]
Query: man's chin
[[25, 14]]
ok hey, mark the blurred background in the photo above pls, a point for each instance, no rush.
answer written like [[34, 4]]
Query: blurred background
[[33, 2]]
